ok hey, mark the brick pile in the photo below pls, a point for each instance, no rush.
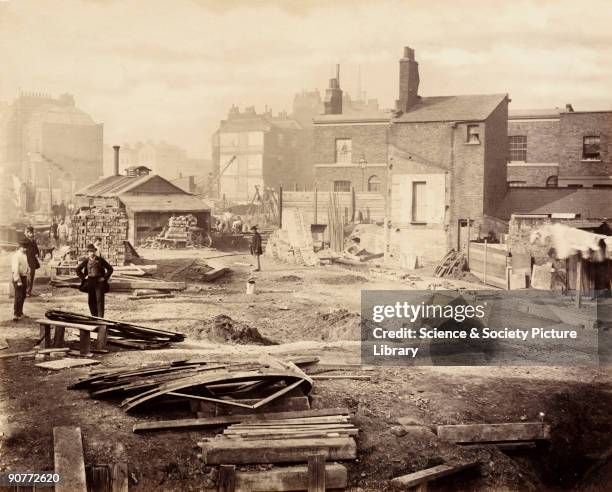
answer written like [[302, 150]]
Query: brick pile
[[109, 223]]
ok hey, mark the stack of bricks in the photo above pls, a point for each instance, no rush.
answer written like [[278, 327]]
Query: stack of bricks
[[180, 227], [109, 223], [293, 243]]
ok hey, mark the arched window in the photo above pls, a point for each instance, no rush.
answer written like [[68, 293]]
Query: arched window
[[374, 183], [552, 182]]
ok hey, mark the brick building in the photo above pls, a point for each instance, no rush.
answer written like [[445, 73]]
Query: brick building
[[440, 162], [550, 148], [41, 136], [266, 150]]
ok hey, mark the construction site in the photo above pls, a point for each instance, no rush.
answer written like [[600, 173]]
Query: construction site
[[348, 295]]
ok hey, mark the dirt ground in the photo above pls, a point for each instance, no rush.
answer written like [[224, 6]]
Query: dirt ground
[[303, 311]]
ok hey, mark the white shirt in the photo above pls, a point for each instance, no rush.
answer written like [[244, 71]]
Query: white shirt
[[19, 265]]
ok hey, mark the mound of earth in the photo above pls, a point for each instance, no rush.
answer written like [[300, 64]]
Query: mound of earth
[[223, 329], [340, 324], [289, 278], [344, 279]]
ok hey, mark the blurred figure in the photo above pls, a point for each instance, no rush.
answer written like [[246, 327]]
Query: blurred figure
[[256, 249], [19, 270], [33, 254], [62, 233]]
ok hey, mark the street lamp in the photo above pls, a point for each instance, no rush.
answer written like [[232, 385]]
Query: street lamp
[[362, 165]]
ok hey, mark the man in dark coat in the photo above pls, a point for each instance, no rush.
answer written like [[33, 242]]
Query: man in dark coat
[[256, 247], [94, 273], [32, 253]]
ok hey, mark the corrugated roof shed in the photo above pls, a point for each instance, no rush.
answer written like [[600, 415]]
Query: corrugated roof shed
[[588, 202], [452, 108]]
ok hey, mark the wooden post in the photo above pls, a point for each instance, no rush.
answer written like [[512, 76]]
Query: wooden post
[[485, 262], [353, 204], [102, 334], [468, 241], [226, 482], [316, 473], [315, 206], [280, 207], [578, 280], [85, 342], [45, 335], [58, 338]]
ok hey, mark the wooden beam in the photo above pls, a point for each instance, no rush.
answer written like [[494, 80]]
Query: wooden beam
[[276, 451], [527, 431], [289, 478], [68, 459], [316, 473], [233, 419], [423, 476]]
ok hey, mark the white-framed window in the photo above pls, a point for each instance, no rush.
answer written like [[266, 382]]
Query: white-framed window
[[591, 148], [344, 150], [518, 147], [342, 185], [473, 134], [419, 201]]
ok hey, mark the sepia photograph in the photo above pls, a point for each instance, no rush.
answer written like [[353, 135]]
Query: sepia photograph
[[302, 245]]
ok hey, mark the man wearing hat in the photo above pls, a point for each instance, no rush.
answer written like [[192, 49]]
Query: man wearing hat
[[256, 246], [94, 273], [32, 253], [20, 270]]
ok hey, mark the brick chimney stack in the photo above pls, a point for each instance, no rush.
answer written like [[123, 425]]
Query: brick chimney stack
[[116, 161], [333, 95], [408, 81]]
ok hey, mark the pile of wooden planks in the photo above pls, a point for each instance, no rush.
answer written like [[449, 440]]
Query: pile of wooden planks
[[286, 440], [454, 260], [121, 333], [245, 385], [506, 436]]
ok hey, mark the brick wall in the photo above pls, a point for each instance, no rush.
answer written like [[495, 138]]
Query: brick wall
[[369, 141], [542, 138], [573, 127], [533, 176], [496, 157], [326, 175]]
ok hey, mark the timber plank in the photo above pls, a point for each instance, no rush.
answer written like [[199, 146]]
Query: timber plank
[[276, 451], [68, 459], [429, 474], [316, 473], [233, 419], [289, 478], [524, 431], [57, 365]]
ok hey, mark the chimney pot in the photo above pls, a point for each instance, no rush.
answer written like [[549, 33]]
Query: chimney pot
[[116, 163]]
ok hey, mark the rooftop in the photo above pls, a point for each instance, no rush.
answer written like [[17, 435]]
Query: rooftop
[[452, 108]]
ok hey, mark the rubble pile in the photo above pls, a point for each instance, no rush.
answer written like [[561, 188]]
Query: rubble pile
[[293, 243], [109, 223]]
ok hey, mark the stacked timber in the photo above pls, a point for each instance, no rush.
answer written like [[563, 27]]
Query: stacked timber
[[335, 224], [121, 333], [109, 223], [453, 262]]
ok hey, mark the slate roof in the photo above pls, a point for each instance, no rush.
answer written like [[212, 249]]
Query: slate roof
[[164, 203], [112, 185], [534, 113], [590, 203], [355, 117], [452, 108]]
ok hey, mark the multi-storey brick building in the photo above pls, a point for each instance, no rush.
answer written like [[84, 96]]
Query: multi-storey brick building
[[560, 148], [439, 161]]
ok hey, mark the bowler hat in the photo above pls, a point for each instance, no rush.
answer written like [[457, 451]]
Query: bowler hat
[[254, 228], [91, 247]]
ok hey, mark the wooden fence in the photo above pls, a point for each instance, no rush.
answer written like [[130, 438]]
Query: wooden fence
[[370, 206], [488, 262]]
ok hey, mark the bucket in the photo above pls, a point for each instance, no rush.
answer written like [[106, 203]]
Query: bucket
[[250, 286]]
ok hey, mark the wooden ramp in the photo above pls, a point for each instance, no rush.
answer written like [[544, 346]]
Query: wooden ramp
[[68, 459]]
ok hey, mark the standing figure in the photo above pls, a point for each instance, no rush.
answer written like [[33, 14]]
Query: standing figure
[[94, 273], [98, 245], [33, 253], [62, 233], [256, 247], [19, 270]]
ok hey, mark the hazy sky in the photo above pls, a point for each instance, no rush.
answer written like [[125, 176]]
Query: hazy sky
[[170, 69]]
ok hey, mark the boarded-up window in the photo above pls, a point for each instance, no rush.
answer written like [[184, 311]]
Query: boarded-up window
[[591, 148], [419, 201], [342, 186], [344, 150], [518, 147]]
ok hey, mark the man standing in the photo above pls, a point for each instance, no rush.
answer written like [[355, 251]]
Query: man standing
[[62, 233], [32, 252], [19, 270], [256, 247], [94, 272]]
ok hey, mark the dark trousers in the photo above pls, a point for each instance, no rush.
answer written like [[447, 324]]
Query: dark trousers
[[31, 276], [20, 295], [95, 296]]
